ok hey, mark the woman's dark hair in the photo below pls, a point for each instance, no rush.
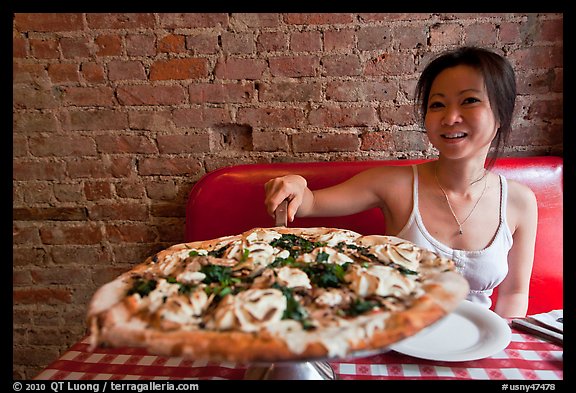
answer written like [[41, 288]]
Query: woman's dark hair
[[498, 77]]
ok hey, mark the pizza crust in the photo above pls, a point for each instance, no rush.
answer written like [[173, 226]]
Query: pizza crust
[[115, 321]]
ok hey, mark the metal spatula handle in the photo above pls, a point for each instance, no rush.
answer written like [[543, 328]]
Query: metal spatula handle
[[281, 214]]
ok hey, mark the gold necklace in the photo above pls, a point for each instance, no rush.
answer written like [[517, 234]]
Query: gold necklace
[[460, 232]]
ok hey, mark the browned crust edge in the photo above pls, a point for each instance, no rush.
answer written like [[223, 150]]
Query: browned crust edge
[[116, 327]]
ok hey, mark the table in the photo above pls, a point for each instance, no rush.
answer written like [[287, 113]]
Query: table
[[526, 358]]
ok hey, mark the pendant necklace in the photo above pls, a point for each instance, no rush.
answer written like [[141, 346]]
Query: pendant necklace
[[460, 231]]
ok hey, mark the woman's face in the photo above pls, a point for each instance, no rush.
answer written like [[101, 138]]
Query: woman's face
[[459, 120]]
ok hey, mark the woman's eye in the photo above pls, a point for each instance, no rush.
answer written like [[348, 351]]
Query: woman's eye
[[434, 105], [470, 100]]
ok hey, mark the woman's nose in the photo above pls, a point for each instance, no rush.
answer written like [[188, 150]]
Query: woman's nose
[[451, 116]]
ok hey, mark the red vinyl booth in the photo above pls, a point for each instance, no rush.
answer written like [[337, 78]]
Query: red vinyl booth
[[230, 200]]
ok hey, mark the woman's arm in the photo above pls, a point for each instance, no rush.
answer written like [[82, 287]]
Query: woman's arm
[[513, 291], [359, 193]]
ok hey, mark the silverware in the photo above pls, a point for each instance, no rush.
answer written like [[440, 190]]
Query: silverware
[[281, 214], [537, 330]]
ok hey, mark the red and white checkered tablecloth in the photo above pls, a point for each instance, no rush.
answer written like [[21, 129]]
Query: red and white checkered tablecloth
[[525, 358]]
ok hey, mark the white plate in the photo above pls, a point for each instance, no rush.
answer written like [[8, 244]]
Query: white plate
[[471, 332]]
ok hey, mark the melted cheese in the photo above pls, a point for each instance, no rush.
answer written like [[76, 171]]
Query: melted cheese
[[336, 338], [404, 254], [185, 310], [378, 280], [292, 277], [333, 256], [249, 310]]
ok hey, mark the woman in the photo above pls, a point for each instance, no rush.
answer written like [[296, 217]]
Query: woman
[[453, 205]]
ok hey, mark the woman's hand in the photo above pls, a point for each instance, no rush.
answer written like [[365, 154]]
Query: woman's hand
[[291, 187]]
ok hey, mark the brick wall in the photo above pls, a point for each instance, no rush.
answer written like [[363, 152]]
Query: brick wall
[[115, 116]]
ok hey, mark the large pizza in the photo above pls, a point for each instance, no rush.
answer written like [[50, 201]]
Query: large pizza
[[275, 294]]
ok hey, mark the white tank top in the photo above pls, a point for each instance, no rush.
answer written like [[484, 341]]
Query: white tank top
[[484, 269]]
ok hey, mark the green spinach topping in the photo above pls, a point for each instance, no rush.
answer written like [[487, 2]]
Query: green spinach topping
[[142, 287], [294, 310]]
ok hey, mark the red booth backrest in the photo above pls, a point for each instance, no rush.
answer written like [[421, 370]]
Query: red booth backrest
[[230, 200]]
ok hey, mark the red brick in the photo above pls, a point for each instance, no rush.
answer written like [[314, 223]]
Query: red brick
[[342, 65], [95, 120], [33, 122], [99, 168], [378, 140], [38, 170], [130, 189], [48, 22], [172, 43], [161, 190], [92, 72], [339, 40], [233, 68], [294, 66], [343, 117], [45, 49], [167, 209], [61, 73], [324, 142], [134, 211], [42, 296], [24, 233], [126, 70], [510, 32], [260, 19], [374, 38], [361, 91], [537, 57], [445, 34], [238, 43], [19, 47], [221, 92], [59, 276], [198, 20], [68, 192], [89, 96], [122, 20], [85, 255], [151, 95], [203, 43], [74, 47], [29, 256], [49, 213], [269, 141], [409, 37], [108, 45], [192, 68], [173, 166], [65, 233], [97, 190], [33, 98], [201, 117], [306, 41], [271, 117], [28, 73], [36, 192], [399, 115], [157, 120], [19, 146], [284, 91], [140, 44], [317, 18], [272, 41], [390, 64], [130, 233], [481, 34], [125, 144], [190, 143]]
